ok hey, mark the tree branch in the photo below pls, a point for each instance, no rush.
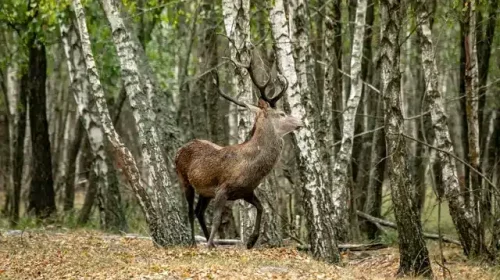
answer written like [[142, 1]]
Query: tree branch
[[390, 224], [455, 157]]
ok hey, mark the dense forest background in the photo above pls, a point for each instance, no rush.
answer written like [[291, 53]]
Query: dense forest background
[[399, 101]]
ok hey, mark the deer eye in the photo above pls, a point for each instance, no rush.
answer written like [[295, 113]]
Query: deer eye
[[282, 114]]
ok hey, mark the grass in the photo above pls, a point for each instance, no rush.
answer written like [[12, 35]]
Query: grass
[[66, 251], [89, 254]]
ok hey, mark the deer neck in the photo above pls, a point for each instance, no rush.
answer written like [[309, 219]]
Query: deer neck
[[265, 145]]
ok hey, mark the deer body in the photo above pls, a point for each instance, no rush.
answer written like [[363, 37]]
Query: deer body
[[242, 167], [233, 172]]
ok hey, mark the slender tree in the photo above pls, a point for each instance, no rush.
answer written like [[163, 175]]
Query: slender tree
[[112, 214], [42, 196], [317, 196], [459, 210], [414, 257], [164, 225], [343, 159]]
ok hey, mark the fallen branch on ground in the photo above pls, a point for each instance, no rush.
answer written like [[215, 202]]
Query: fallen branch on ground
[[351, 247], [386, 223], [201, 239]]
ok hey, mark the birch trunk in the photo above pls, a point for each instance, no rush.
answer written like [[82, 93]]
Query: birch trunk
[[414, 257], [237, 25], [460, 212], [164, 223], [141, 95], [89, 118], [17, 126], [471, 109], [317, 197], [343, 159], [329, 127]]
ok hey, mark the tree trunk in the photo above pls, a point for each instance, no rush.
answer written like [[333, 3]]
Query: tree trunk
[[69, 184], [165, 222], [484, 46], [42, 196], [471, 99], [414, 257], [18, 155], [460, 212], [237, 25], [317, 197], [89, 119], [367, 121], [373, 204], [343, 159], [329, 128], [92, 186]]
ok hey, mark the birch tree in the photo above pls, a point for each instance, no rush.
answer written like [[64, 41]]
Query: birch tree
[[237, 25], [329, 126], [414, 257], [164, 222], [471, 109], [111, 212], [459, 211], [318, 203], [343, 159]]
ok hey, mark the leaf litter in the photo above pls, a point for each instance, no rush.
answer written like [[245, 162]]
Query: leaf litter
[[85, 254]]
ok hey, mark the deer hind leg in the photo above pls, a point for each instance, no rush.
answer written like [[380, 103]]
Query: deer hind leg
[[220, 201], [189, 193], [256, 230], [201, 206]]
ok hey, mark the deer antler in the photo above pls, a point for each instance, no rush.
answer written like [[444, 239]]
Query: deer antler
[[221, 92], [262, 87], [278, 96]]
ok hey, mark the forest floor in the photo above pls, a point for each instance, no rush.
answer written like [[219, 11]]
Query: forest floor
[[90, 254]]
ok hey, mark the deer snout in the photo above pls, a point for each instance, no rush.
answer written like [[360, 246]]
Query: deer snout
[[297, 122]]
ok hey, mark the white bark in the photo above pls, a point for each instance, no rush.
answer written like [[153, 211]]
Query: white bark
[[11, 95], [167, 202], [332, 84], [414, 257], [343, 159], [237, 25], [165, 227], [86, 106], [471, 109], [317, 198], [461, 215]]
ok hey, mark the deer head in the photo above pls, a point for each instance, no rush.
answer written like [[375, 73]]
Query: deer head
[[266, 109]]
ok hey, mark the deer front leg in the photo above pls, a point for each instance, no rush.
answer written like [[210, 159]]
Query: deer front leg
[[256, 230], [200, 214], [220, 201]]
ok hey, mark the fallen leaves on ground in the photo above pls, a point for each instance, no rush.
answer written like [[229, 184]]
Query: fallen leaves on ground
[[85, 254]]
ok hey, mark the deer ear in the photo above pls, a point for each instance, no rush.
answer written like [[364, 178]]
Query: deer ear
[[253, 108], [262, 104]]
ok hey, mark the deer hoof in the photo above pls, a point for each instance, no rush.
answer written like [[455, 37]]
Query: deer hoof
[[251, 241], [210, 245]]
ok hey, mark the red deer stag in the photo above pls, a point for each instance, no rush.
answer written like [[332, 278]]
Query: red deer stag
[[233, 172]]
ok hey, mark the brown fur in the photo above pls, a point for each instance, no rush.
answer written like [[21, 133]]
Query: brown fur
[[232, 172]]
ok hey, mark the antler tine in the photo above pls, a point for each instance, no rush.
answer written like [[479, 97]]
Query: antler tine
[[275, 99], [261, 88], [225, 96]]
